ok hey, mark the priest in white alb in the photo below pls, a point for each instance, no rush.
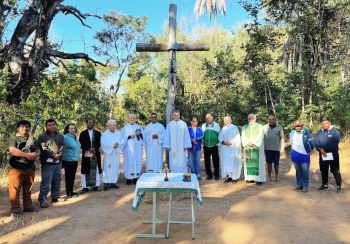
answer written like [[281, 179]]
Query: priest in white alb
[[254, 156], [154, 138], [112, 143], [176, 142], [133, 150], [231, 151]]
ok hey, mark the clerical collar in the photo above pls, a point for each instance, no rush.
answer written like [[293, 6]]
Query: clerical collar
[[273, 126]]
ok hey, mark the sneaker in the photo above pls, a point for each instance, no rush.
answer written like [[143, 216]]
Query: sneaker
[[44, 205], [298, 188], [339, 189], [323, 187], [305, 189], [16, 214], [30, 210]]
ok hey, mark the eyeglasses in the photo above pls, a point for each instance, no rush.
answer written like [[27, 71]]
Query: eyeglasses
[[250, 118]]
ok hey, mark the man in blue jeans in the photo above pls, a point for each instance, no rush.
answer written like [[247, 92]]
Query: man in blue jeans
[[51, 144], [302, 144]]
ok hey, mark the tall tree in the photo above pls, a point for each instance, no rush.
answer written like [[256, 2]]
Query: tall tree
[[117, 46], [213, 8], [23, 58]]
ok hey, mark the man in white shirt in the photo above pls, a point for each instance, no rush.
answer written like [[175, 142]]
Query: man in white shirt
[[176, 142], [133, 150], [154, 138]]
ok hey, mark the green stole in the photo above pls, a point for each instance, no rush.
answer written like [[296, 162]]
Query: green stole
[[91, 178], [251, 153]]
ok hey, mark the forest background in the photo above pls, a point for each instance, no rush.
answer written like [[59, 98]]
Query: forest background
[[291, 60]]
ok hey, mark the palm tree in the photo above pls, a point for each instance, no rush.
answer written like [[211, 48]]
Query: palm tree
[[213, 7]]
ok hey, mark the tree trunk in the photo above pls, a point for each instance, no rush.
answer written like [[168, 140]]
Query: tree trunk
[[172, 64], [24, 66]]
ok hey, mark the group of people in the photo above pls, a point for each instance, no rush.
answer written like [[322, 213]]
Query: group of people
[[260, 144]]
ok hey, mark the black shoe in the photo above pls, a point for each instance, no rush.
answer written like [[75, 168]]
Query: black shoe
[[135, 180], [209, 177], [128, 182], [54, 199], [339, 189], [323, 187], [95, 188], [115, 186], [228, 180], [71, 194], [85, 190], [216, 178], [234, 181], [16, 215], [30, 210], [105, 188], [259, 183]]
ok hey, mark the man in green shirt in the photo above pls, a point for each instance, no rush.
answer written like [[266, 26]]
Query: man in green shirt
[[211, 131]]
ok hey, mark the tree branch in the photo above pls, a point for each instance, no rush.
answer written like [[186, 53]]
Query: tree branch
[[71, 10], [63, 55]]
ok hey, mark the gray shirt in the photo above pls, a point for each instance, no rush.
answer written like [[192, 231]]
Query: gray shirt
[[50, 145], [273, 138]]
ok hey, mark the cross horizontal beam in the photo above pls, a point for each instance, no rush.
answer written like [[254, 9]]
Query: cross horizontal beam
[[141, 47]]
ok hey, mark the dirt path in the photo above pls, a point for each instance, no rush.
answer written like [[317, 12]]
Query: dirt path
[[231, 213]]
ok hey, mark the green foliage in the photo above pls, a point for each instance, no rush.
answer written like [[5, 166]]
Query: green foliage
[[117, 43]]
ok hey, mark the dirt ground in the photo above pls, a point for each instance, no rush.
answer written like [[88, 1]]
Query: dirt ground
[[231, 213]]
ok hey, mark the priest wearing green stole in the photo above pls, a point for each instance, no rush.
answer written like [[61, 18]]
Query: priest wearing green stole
[[254, 158]]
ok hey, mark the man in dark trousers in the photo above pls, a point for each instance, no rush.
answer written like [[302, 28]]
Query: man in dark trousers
[[90, 140], [326, 143], [52, 146], [21, 175], [211, 131]]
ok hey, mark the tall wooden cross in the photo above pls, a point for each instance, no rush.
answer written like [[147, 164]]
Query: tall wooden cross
[[171, 47]]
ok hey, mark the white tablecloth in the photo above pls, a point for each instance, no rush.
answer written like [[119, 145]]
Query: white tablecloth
[[154, 182]]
